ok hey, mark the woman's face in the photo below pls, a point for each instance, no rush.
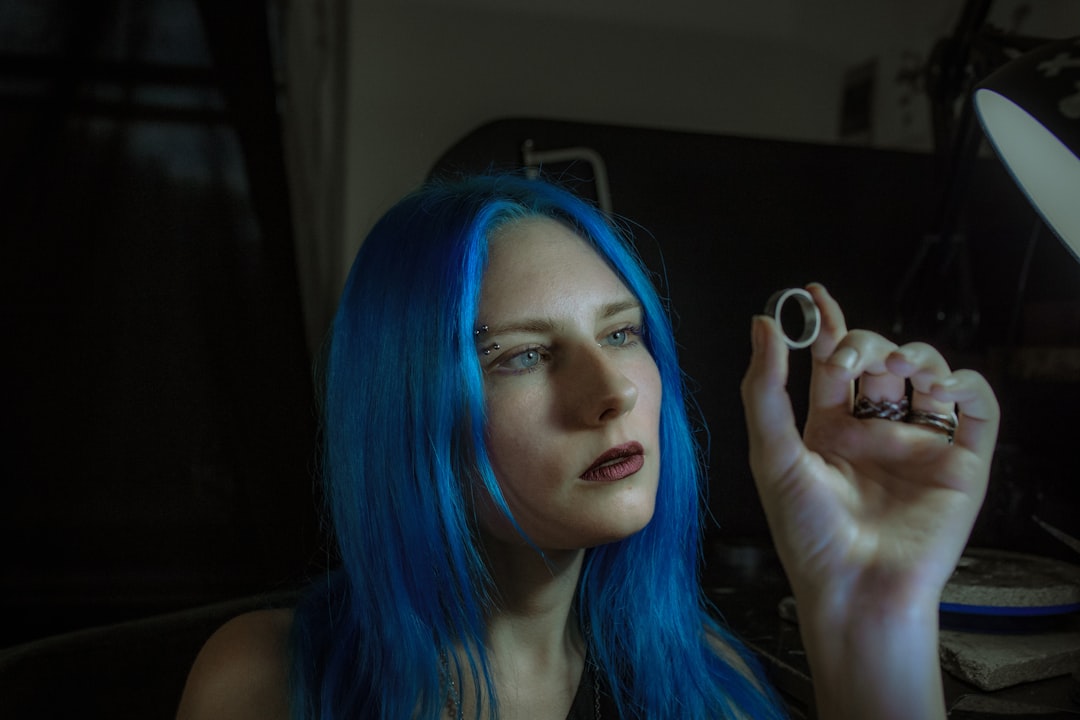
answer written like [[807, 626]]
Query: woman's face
[[572, 393]]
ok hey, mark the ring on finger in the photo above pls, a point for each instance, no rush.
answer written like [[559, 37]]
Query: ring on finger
[[865, 408], [944, 423]]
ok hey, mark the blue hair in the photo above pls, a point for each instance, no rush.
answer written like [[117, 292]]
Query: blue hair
[[404, 439]]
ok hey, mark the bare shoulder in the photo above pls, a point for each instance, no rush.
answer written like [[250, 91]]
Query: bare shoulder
[[242, 671]]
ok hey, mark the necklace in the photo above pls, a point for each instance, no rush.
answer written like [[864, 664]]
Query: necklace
[[453, 700]]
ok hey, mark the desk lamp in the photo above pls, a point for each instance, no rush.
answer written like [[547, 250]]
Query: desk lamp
[[1030, 111]]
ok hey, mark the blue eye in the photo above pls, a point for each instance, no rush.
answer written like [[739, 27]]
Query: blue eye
[[622, 336], [523, 361]]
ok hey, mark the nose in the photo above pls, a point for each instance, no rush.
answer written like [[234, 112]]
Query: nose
[[601, 392]]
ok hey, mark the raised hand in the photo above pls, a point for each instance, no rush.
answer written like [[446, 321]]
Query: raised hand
[[869, 515]]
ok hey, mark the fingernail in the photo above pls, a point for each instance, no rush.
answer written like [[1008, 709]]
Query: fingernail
[[947, 383], [845, 358]]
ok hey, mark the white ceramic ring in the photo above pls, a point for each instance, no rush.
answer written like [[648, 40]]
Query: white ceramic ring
[[811, 316]]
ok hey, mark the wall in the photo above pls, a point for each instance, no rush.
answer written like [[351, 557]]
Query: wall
[[409, 77], [424, 78], [423, 74]]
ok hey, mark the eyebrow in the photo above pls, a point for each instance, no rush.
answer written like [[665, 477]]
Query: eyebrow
[[541, 325]]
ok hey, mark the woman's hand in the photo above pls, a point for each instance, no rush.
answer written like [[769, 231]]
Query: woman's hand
[[869, 516]]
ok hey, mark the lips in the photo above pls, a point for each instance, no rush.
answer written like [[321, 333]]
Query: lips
[[617, 463]]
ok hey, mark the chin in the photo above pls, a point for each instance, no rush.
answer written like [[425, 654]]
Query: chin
[[613, 538], [630, 523]]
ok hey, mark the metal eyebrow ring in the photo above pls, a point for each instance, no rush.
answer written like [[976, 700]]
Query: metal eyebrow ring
[[811, 316], [480, 332]]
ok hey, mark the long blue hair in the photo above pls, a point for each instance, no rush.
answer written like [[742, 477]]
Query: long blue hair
[[404, 438]]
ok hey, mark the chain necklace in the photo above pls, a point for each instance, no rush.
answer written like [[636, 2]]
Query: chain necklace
[[453, 700]]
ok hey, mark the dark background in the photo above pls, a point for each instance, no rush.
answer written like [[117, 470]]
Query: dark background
[[159, 422], [159, 416]]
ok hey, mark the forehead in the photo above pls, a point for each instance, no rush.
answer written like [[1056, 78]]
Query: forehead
[[540, 264]]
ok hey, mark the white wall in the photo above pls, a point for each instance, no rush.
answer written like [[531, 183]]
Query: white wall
[[420, 74], [424, 78], [423, 73]]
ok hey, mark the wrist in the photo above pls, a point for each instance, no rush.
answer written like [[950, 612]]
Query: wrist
[[873, 656]]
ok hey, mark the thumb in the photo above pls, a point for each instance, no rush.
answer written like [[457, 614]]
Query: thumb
[[774, 439]]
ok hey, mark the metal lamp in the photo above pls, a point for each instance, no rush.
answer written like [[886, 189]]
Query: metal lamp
[[1030, 111]]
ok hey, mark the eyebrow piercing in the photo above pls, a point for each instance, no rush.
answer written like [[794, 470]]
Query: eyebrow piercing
[[481, 331]]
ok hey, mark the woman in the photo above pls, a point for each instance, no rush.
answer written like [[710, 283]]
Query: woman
[[515, 493]]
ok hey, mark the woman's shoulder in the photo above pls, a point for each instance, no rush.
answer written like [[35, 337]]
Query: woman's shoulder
[[242, 671]]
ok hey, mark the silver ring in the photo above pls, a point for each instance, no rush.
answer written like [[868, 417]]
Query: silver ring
[[895, 410], [944, 423], [811, 316]]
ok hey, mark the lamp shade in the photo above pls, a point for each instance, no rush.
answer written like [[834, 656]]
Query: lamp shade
[[1030, 111]]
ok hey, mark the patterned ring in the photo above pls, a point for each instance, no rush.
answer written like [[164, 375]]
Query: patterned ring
[[944, 423], [865, 409]]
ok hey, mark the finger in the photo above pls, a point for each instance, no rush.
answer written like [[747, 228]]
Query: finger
[[770, 422], [978, 408], [833, 325], [876, 381], [830, 379], [922, 365], [861, 355]]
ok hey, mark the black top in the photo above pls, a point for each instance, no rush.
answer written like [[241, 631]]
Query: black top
[[593, 700]]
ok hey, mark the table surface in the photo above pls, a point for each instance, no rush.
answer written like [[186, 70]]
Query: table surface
[[748, 598]]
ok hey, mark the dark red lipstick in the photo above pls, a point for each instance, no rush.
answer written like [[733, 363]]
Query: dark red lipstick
[[617, 463]]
